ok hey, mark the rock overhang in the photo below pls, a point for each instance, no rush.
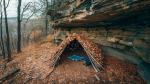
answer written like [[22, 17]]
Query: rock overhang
[[105, 12]]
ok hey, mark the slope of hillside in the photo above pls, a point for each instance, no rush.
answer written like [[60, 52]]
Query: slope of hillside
[[34, 64]]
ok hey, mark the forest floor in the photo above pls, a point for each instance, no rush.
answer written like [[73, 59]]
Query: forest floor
[[34, 64]]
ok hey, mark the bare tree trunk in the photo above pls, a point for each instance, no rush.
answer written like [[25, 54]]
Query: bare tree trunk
[[46, 16], [23, 38], [28, 37], [49, 26], [7, 32], [19, 28], [46, 25], [51, 4], [54, 4], [12, 43], [16, 42], [3, 52]]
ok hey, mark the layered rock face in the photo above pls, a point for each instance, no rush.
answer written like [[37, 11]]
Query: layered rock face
[[120, 27], [124, 44]]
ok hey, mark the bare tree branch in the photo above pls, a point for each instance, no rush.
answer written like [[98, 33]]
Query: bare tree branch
[[8, 3], [24, 9], [1, 6], [33, 14], [1, 2]]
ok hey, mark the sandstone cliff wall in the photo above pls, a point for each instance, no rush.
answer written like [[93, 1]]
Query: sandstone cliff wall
[[130, 44]]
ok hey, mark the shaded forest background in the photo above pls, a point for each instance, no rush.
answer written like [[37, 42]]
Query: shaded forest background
[[31, 25]]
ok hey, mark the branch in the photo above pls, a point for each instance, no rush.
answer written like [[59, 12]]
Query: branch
[[1, 6], [2, 71], [33, 14], [46, 5], [26, 6], [30, 16], [15, 78], [24, 9], [13, 72], [0, 2], [8, 3]]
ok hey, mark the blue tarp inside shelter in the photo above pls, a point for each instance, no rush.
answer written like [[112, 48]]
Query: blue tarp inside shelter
[[76, 58]]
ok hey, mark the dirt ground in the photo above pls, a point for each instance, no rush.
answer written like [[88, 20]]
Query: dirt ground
[[68, 71], [74, 72]]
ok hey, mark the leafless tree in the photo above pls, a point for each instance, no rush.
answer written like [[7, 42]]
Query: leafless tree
[[7, 31], [2, 44], [32, 7], [46, 16], [19, 28]]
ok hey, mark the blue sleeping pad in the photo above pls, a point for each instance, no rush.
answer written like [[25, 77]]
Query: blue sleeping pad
[[87, 62], [76, 58]]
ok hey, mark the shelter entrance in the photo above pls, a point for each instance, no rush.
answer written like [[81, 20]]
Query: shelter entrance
[[74, 48], [74, 45], [79, 45], [71, 69]]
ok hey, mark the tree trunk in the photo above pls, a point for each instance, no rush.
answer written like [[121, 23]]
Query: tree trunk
[[51, 4], [12, 43], [46, 24], [19, 28], [7, 32], [3, 52], [54, 4], [46, 16]]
